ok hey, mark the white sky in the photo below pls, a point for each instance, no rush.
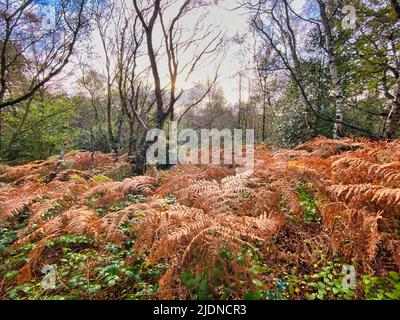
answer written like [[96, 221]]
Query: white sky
[[223, 18], [236, 22], [233, 22]]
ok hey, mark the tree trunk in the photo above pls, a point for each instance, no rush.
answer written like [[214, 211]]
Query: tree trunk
[[393, 119], [132, 140], [336, 83], [264, 118], [1, 131], [140, 165], [53, 174]]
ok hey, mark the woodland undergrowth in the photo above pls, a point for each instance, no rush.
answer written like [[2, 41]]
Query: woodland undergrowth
[[284, 231]]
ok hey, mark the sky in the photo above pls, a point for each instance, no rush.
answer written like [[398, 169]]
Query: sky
[[238, 57], [234, 22], [222, 17], [231, 22]]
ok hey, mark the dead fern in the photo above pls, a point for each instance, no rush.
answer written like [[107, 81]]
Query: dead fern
[[219, 216], [354, 232], [189, 238]]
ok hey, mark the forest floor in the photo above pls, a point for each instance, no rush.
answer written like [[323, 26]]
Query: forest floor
[[317, 222]]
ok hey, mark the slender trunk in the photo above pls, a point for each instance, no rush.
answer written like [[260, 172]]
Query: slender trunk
[[160, 119], [336, 83], [93, 159], [132, 140], [96, 114], [139, 167], [240, 115], [110, 136], [393, 120], [140, 164], [264, 118], [161, 116], [1, 131], [118, 137]]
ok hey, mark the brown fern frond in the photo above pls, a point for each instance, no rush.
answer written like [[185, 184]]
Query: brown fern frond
[[181, 177], [16, 206], [111, 224], [138, 185], [89, 161], [114, 192], [346, 192], [239, 180], [324, 148], [382, 198], [182, 233], [100, 189], [354, 232], [395, 249], [49, 228], [289, 195], [388, 173], [198, 189], [83, 221], [351, 170], [38, 211]]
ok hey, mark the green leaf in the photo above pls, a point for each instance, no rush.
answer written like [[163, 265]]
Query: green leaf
[[393, 295], [312, 296], [111, 282], [394, 275], [335, 290], [11, 275], [258, 283], [13, 295], [257, 295]]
